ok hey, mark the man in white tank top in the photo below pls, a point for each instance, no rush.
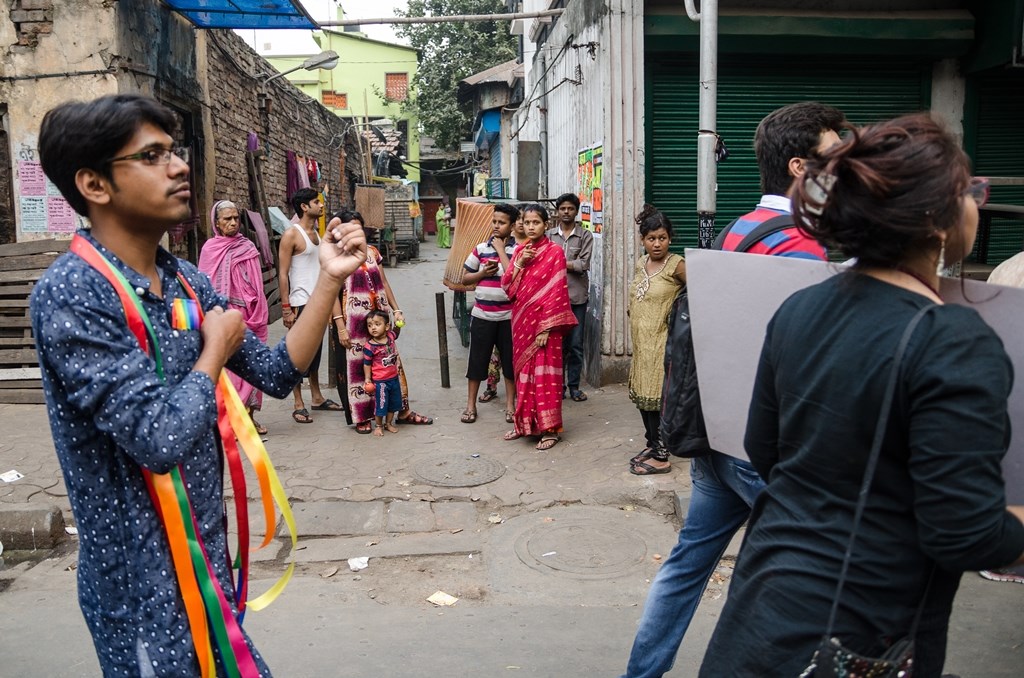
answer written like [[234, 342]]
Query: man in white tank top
[[300, 266]]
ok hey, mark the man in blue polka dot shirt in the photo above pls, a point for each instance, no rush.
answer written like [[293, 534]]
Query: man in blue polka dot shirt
[[111, 413]]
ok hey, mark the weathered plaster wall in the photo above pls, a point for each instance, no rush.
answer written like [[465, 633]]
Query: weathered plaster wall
[[44, 62]]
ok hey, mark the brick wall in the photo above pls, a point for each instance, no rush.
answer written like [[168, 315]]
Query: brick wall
[[287, 121], [31, 19]]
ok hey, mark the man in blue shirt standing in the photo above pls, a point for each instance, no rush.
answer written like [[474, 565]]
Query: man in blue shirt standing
[[115, 412]]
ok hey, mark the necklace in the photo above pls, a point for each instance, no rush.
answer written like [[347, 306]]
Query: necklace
[[644, 286], [921, 279]]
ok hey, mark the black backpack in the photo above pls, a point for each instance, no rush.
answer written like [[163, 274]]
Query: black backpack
[[683, 432]]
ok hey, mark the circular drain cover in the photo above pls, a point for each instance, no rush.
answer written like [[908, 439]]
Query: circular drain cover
[[457, 470], [583, 549]]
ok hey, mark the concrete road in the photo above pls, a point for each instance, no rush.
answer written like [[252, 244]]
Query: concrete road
[[550, 561]]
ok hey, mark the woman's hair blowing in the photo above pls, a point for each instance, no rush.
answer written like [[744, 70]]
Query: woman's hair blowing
[[882, 193]]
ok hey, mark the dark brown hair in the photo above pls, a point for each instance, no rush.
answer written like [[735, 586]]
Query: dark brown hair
[[651, 219], [792, 131], [883, 192]]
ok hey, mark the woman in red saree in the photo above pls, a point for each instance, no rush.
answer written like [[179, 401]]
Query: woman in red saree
[[536, 283]]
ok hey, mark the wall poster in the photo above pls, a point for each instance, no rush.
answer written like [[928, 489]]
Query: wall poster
[[588, 187], [43, 209]]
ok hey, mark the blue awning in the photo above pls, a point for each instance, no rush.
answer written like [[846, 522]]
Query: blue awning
[[488, 124], [243, 13]]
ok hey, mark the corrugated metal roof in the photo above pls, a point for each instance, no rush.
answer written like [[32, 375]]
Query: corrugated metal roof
[[243, 13]]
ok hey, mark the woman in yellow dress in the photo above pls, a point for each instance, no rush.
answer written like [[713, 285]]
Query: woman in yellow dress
[[659, 277]]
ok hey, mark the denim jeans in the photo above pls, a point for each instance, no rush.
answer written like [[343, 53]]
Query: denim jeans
[[724, 489], [572, 348]]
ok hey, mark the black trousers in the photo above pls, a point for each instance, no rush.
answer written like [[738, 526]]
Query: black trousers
[[652, 428]]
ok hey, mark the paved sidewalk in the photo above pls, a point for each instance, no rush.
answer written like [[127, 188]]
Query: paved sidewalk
[[327, 460], [551, 561]]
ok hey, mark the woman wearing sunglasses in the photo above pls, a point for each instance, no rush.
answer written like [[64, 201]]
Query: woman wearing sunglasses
[[898, 197]]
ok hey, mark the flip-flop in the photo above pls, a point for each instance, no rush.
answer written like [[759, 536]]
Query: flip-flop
[[578, 395], [644, 469], [260, 428], [510, 417], [547, 441], [329, 406], [414, 419], [301, 416], [646, 454], [513, 435], [468, 417], [488, 396], [364, 427]]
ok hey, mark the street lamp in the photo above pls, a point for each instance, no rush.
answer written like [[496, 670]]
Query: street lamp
[[326, 61]]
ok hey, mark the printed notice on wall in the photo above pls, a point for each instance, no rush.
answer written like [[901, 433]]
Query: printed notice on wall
[[43, 210], [33, 214], [60, 215], [31, 178]]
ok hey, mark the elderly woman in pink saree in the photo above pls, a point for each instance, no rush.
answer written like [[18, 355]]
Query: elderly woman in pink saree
[[537, 285], [232, 263]]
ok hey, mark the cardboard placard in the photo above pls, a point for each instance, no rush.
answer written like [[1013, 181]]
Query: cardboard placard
[[734, 296]]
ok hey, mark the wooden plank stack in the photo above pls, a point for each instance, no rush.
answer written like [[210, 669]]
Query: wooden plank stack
[[21, 265]]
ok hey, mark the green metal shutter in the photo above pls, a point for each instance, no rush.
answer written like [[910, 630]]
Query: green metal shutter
[[866, 90], [999, 152]]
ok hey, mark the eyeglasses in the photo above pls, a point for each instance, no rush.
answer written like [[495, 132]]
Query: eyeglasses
[[156, 156], [978, 190]]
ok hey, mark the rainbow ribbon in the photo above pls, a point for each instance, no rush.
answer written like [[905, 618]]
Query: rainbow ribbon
[[209, 614], [185, 314]]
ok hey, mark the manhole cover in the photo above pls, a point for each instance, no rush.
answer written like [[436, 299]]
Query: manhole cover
[[584, 549], [457, 470]]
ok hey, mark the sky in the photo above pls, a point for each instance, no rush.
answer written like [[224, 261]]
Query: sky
[[301, 42]]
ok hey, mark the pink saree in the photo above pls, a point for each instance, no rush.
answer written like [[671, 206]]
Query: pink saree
[[540, 302]]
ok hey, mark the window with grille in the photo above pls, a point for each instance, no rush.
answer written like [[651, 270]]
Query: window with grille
[[335, 99], [396, 86]]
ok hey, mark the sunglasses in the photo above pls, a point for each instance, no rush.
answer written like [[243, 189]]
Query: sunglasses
[[978, 190]]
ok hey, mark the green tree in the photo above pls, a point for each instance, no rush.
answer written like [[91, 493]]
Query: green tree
[[450, 52]]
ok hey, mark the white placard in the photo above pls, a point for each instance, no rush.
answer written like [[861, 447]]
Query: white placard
[[734, 296]]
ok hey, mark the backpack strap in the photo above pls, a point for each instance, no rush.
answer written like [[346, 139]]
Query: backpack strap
[[762, 231]]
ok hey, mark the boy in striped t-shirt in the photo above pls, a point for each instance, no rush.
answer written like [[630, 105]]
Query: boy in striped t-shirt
[[491, 323]]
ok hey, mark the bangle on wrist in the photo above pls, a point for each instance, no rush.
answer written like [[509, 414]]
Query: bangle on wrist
[[337, 317], [518, 265]]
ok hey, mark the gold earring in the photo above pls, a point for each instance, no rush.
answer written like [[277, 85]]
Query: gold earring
[[941, 266]]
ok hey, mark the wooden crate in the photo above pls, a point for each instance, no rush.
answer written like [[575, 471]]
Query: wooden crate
[[21, 265]]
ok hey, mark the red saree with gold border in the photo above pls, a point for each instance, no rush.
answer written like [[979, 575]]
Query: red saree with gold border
[[540, 303]]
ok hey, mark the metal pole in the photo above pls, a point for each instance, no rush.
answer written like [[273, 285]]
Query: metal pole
[[707, 137], [442, 340], [542, 108]]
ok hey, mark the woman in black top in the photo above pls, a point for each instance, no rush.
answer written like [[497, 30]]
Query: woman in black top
[[899, 198]]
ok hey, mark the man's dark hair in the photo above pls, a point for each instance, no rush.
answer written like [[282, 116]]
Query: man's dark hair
[[792, 131], [567, 197], [301, 197], [87, 134], [512, 212]]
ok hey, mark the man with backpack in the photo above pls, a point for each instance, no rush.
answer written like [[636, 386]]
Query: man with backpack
[[724, 487]]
